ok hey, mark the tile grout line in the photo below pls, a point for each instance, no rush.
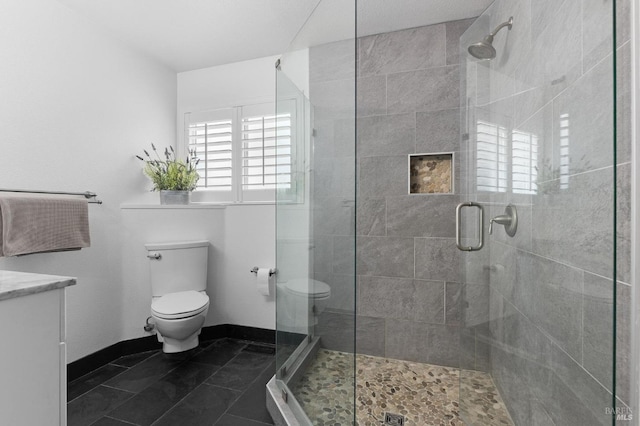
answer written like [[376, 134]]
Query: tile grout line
[[241, 394]]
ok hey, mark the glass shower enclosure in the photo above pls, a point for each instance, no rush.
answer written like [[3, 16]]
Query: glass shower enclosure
[[446, 217]]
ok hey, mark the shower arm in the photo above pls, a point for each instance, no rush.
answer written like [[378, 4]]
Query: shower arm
[[509, 24]]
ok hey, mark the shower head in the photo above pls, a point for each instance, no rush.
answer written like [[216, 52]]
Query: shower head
[[484, 49]]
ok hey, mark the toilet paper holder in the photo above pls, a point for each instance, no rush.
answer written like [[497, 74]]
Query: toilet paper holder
[[254, 270]]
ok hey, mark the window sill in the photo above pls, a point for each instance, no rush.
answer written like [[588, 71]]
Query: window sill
[[173, 206], [194, 205]]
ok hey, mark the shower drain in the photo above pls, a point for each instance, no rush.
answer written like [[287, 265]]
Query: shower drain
[[391, 419]]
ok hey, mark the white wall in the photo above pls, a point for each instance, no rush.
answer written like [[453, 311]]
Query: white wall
[[241, 237], [240, 83], [76, 106]]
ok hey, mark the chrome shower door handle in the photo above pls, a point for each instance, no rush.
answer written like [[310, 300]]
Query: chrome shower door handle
[[480, 225]]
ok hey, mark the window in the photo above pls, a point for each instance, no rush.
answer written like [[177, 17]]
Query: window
[[506, 159], [246, 153]]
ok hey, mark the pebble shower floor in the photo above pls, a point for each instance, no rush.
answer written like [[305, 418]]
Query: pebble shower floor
[[424, 394]]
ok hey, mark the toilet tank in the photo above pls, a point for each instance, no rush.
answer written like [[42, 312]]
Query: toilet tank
[[178, 266]]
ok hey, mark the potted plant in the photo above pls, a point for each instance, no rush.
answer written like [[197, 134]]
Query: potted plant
[[175, 179]]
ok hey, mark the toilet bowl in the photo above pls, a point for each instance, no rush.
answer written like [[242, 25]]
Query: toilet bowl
[[305, 299], [179, 318], [179, 303]]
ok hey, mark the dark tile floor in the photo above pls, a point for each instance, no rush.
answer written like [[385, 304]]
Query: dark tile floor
[[221, 383]]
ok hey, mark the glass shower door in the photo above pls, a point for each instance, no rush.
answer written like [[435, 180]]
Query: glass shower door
[[538, 344], [315, 233], [293, 314]]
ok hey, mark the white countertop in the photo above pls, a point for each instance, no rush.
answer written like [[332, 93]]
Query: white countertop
[[17, 284]]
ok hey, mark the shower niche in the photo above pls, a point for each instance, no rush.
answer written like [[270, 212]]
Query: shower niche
[[431, 173]]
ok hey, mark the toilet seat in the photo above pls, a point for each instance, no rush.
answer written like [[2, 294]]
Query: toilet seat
[[181, 304], [306, 287]]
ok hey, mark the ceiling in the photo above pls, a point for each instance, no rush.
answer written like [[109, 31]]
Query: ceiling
[[193, 34]]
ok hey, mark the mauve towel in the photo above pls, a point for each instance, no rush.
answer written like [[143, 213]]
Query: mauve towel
[[41, 224]]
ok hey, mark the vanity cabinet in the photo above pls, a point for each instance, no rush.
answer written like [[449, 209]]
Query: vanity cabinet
[[33, 352]]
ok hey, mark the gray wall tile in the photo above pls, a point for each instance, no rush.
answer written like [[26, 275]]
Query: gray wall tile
[[598, 328], [437, 259], [334, 177], [322, 254], [370, 336], [344, 143], [550, 294], [574, 397], [343, 297], [453, 303], [384, 131], [454, 30], [400, 298], [372, 216], [474, 305], [385, 256], [334, 216], [424, 90], [344, 255], [597, 31], [623, 223], [337, 331], [586, 109], [438, 131], [467, 351], [623, 21], [415, 48], [323, 140], [386, 135], [421, 342], [586, 204], [623, 103], [333, 100], [372, 95], [383, 176], [422, 215], [554, 60], [513, 47]]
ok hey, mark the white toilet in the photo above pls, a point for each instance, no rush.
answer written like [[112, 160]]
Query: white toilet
[[178, 282], [305, 299]]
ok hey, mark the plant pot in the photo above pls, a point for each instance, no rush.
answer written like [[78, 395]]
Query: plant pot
[[174, 197]]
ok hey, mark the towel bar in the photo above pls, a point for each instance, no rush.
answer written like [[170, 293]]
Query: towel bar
[[87, 194]]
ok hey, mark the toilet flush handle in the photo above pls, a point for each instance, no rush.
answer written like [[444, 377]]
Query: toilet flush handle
[[156, 256]]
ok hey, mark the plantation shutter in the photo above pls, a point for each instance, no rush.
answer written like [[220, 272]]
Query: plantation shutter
[[267, 151], [210, 135], [247, 153], [491, 151], [524, 160]]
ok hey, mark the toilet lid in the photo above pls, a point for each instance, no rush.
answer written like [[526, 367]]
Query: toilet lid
[[309, 288], [179, 305]]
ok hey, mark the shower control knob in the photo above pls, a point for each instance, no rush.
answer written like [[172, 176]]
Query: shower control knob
[[509, 219]]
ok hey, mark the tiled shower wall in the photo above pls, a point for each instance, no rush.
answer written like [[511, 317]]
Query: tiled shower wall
[[551, 291], [408, 291]]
